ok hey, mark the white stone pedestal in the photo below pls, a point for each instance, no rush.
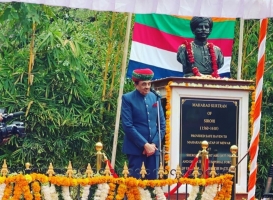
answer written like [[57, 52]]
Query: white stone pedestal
[[209, 89]]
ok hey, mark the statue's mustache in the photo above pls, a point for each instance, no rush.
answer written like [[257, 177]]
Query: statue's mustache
[[202, 32]]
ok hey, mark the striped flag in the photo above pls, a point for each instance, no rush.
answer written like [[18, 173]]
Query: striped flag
[[156, 39]]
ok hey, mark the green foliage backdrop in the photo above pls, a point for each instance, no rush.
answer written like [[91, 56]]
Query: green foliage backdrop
[[62, 67], [68, 92]]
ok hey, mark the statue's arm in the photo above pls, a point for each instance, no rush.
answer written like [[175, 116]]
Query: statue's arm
[[181, 55], [220, 57]]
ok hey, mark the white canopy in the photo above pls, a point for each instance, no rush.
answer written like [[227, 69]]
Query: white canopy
[[246, 9]]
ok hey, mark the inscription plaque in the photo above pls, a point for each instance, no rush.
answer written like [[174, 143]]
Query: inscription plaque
[[213, 120]]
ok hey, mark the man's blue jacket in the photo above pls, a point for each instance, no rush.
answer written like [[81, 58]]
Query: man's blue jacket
[[139, 120]]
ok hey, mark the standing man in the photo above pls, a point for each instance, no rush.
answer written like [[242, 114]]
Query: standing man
[[200, 57], [139, 115]]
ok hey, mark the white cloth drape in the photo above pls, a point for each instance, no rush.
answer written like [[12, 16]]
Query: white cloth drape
[[246, 9]]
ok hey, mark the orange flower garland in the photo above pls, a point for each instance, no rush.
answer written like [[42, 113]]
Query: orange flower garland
[[129, 186], [251, 113], [226, 189], [168, 125], [121, 191], [36, 190], [21, 188], [111, 192], [43, 179], [63, 181], [7, 191], [132, 190], [133, 193]]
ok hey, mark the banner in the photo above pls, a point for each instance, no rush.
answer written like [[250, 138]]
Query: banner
[[250, 9], [156, 39]]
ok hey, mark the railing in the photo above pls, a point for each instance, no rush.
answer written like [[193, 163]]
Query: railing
[[107, 183]]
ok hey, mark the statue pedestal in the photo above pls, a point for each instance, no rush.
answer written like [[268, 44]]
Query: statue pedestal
[[208, 109]]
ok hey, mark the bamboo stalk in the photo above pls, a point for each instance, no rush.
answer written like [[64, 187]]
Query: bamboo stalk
[[110, 48], [31, 58], [114, 73], [241, 38], [244, 54]]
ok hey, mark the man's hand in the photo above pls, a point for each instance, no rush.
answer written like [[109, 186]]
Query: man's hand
[[1, 118], [149, 149]]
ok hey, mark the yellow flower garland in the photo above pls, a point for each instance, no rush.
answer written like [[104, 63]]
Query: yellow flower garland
[[168, 125]]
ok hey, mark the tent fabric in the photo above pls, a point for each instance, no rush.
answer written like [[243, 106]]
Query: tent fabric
[[247, 9]]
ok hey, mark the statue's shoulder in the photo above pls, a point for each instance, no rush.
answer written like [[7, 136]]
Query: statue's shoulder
[[215, 47], [217, 50], [182, 46]]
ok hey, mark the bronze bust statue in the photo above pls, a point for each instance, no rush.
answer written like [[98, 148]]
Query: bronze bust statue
[[200, 57]]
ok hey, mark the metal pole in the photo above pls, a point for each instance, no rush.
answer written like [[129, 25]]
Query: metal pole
[[232, 169], [123, 68], [204, 154], [159, 131]]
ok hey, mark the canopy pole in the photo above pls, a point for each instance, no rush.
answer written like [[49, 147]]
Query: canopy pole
[[121, 86], [240, 50], [255, 137]]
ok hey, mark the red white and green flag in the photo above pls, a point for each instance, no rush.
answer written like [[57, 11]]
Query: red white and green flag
[[156, 38]]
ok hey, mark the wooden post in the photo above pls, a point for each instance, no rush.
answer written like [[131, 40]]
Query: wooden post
[[124, 63]]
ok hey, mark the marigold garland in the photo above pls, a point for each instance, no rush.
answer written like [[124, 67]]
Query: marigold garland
[[226, 189], [133, 193], [7, 191], [36, 190], [18, 185], [168, 125], [21, 188], [195, 70], [43, 179], [111, 193], [2, 179], [121, 191], [251, 113]]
